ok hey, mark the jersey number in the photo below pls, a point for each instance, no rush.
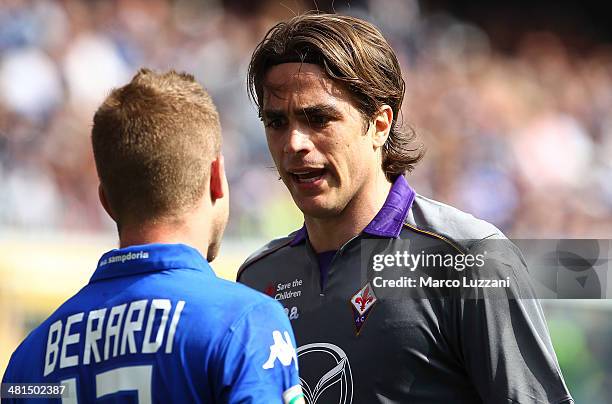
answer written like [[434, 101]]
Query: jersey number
[[128, 378]]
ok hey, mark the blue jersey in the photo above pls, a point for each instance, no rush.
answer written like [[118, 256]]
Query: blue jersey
[[155, 325]]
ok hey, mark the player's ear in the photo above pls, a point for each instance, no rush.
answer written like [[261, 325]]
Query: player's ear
[[104, 202], [382, 126], [218, 180]]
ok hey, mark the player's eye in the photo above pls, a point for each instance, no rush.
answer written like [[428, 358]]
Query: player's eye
[[318, 120], [275, 123]]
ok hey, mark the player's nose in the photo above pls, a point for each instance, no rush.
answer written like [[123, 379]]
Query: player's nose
[[297, 141]]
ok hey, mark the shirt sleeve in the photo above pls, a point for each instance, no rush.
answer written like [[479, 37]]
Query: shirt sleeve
[[259, 359], [502, 334]]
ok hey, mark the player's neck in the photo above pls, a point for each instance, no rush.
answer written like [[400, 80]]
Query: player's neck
[[327, 234], [166, 232]]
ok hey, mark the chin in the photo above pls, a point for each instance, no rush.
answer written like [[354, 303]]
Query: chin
[[319, 209]]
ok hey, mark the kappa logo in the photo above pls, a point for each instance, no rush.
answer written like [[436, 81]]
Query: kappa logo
[[336, 382], [362, 303], [282, 349]]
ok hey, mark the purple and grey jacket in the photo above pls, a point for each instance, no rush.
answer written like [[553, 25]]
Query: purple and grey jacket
[[377, 324]]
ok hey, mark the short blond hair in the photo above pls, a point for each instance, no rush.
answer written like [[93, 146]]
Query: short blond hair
[[153, 142]]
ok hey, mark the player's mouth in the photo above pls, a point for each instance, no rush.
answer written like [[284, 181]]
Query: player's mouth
[[308, 178]]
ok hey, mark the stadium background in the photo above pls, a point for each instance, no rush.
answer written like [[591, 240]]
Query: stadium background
[[513, 102]]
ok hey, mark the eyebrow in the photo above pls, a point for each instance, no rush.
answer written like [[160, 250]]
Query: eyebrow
[[317, 109]]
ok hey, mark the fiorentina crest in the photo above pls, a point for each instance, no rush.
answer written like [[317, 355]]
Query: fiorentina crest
[[362, 303]]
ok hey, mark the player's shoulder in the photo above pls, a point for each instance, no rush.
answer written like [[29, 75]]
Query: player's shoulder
[[21, 355], [242, 296], [267, 250], [233, 305], [448, 223], [30, 350]]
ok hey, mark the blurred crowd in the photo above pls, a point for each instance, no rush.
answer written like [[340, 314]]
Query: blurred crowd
[[522, 139]]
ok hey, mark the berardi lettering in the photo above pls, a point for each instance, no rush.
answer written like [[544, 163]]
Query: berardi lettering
[[98, 335]]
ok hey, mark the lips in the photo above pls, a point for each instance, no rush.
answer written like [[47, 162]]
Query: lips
[[308, 176]]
